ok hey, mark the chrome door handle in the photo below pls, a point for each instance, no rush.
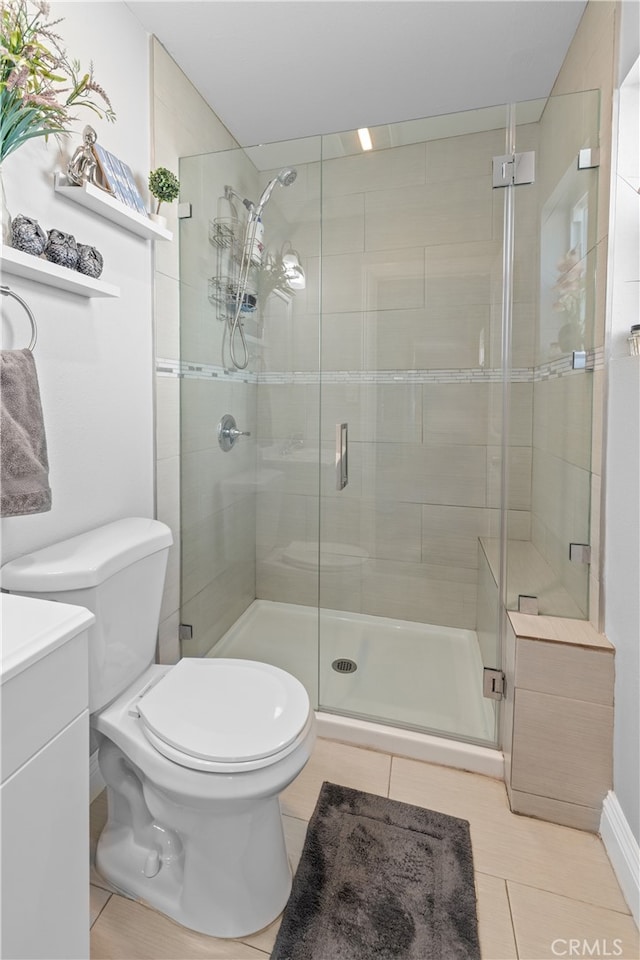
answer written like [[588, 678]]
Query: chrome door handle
[[342, 455]]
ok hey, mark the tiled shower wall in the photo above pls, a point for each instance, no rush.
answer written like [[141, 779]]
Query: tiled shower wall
[[410, 355]]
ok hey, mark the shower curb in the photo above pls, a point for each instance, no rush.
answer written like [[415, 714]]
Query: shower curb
[[415, 746]]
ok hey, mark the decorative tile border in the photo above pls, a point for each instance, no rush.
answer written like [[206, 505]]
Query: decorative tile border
[[453, 375], [187, 370], [551, 370]]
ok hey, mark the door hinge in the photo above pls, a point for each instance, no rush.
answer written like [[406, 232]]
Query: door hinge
[[579, 553], [527, 603], [185, 632], [513, 169], [588, 158], [493, 683], [583, 360]]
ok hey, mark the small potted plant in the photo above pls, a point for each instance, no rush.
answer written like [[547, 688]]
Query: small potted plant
[[165, 187]]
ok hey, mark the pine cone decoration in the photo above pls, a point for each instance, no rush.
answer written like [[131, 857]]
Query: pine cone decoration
[[61, 248], [90, 261], [27, 235]]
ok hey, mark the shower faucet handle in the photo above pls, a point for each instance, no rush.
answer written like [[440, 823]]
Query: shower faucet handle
[[228, 432]]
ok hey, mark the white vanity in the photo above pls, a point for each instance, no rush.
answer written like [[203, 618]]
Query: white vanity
[[44, 776]]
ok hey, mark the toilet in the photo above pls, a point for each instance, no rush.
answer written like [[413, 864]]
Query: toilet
[[194, 755]]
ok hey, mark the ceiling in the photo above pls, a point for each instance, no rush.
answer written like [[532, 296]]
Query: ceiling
[[284, 69]]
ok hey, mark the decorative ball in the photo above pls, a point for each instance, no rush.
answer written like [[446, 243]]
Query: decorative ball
[[27, 235], [90, 261], [61, 248]]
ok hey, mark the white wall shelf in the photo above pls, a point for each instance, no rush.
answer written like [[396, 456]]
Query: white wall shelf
[[96, 200], [42, 271]]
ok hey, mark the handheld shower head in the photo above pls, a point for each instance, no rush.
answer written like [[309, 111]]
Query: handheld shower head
[[285, 178]]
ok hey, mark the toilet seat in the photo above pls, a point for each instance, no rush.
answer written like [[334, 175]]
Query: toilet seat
[[222, 715]]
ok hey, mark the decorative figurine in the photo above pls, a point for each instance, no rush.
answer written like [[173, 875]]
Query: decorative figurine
[[61, 248], [83, 166], [27, 235], [90, 261]]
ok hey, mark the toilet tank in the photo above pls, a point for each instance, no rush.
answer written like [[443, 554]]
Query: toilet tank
[[117, 572]]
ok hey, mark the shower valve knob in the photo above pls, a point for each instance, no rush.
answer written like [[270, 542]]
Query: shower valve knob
[[228, 432]]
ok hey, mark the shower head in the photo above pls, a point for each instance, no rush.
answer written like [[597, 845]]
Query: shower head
[[285, 178]]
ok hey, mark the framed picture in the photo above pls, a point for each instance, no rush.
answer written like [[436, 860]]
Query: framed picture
[[119, 178]]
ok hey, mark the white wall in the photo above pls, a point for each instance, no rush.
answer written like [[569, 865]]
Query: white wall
[[622, 478], [94, 357]]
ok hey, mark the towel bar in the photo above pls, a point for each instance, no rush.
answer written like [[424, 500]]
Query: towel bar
[[7, 292]]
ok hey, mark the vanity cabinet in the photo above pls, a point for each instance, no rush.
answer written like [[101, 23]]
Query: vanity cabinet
[[44, 791]]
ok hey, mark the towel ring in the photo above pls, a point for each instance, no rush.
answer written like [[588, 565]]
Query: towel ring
[[7, 292]]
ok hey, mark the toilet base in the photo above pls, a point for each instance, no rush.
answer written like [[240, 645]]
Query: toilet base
[[224, 876]]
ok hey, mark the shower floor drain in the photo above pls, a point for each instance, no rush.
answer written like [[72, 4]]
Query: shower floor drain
[[344, 666]]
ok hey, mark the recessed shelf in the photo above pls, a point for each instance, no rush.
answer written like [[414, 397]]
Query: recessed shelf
[[42, 271], [96, 200]]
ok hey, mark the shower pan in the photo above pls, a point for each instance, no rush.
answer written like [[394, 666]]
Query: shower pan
[[418, 434]]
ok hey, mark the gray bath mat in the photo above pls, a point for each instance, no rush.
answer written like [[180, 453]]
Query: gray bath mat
[[380, 880]]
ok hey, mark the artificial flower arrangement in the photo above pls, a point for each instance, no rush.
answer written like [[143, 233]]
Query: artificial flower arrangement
[[40, 86]]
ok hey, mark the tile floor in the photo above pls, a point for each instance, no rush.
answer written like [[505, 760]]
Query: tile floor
[[538, 885]]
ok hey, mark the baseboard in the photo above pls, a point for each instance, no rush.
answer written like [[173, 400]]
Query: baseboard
[[623, 852], [96, 783]]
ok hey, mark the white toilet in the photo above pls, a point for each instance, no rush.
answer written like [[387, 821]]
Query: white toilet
[[194, 755]]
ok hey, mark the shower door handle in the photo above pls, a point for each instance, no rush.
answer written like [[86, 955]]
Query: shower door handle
[[342, 455]]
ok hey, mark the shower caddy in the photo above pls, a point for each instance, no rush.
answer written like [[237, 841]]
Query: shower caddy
[[226, 234]]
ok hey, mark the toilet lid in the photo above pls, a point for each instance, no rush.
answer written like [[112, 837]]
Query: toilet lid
[[226, 711]]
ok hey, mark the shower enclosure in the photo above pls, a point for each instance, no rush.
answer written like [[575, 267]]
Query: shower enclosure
[[416, 403]]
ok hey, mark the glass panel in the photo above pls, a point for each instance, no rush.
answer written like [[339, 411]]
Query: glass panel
[[411, 360], [549, 436], [249, 514], [218, 490]]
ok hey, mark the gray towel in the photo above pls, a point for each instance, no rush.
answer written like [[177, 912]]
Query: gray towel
[[24, 466]]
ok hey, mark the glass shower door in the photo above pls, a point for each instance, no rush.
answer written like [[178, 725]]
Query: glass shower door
[[411, 361]]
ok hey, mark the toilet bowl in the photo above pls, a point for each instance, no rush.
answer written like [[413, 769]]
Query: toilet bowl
[[194, 755], [194, 825]]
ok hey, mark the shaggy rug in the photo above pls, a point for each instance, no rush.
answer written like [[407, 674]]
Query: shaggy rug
[[380, 880]]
